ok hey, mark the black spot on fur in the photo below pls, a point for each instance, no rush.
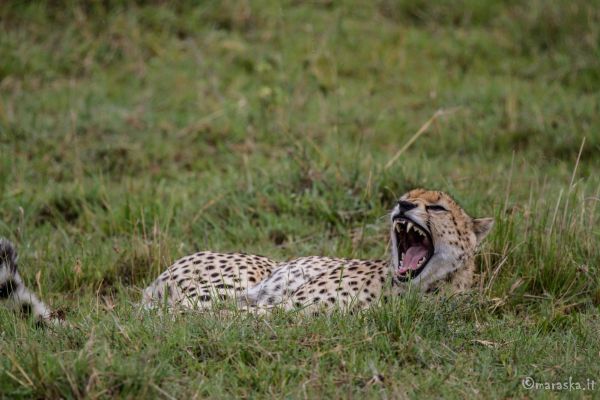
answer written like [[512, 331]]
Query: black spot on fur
[[26, 309], [8, 255], [7, 288], [224, 286]]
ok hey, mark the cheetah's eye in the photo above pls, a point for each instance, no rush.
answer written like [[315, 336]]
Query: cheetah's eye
[[436, 207]]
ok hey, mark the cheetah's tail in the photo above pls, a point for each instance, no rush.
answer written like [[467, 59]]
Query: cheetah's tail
[[8, 255], [13, 291]]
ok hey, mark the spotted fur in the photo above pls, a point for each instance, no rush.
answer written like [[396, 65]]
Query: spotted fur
[[14, 293], [196, 281], [258, 284]]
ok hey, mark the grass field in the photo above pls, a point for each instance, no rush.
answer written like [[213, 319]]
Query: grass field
[[133, 134]]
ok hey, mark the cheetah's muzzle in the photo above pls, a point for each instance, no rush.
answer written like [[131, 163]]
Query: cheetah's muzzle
[[415, 248]]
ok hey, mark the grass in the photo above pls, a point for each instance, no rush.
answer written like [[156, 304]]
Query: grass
[[134, 133]]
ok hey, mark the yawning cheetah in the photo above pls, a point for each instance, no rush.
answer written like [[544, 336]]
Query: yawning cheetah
[[433, 242]]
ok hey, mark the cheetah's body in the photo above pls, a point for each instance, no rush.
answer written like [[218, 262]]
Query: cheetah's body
[[196, 281], [433, 244], [309, 283]]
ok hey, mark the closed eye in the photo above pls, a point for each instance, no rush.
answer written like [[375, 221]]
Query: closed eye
[[436, 207]]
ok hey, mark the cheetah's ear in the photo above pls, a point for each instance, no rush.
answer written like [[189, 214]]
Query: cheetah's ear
[[481, 227]]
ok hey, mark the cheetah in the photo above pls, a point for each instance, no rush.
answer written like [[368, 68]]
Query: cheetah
[[433, 245], [13, 291]]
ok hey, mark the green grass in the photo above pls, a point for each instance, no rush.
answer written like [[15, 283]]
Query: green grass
[[133, 134]]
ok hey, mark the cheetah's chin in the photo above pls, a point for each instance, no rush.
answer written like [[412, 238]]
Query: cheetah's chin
[[415, 248]]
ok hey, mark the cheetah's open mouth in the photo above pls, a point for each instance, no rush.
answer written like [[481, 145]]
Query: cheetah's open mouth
[[415, 248]]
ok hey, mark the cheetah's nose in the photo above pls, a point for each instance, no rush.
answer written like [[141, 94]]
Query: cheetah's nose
[[406, 206]]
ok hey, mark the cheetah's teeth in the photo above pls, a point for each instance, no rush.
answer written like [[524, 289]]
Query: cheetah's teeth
[[398, 228], [409, 225]]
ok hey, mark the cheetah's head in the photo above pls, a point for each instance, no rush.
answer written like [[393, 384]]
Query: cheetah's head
[[432, 236]]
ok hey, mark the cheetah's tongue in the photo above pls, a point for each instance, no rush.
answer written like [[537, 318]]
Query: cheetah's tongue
[[412, 257]]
